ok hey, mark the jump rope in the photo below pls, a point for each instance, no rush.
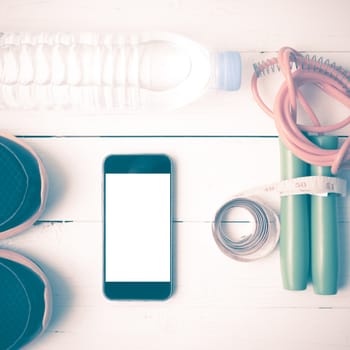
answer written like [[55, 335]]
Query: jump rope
[[330, 78], [308, 224]]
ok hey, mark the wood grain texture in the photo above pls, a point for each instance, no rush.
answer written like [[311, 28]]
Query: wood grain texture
[[221, 144]]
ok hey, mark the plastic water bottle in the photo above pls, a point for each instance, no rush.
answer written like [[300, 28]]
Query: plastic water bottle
[[94, 71]]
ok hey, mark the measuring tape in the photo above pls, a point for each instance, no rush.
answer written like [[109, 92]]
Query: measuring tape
[[264, 237]]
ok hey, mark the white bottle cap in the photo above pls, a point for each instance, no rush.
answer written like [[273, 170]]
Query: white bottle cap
[[228, 70]]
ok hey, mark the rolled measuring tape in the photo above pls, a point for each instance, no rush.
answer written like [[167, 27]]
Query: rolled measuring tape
[[260, 242], [264, 237]]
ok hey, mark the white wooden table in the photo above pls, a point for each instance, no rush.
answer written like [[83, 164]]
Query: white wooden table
[[218, 303]]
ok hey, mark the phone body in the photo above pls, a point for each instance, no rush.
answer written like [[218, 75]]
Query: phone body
[[138, 228]]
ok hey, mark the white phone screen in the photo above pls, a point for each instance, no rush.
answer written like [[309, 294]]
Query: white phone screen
[[137, 227]]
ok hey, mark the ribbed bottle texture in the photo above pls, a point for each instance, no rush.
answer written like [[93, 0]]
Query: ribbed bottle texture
[[108, 71]]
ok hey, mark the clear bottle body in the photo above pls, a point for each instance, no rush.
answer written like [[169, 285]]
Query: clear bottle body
[[126, 72]]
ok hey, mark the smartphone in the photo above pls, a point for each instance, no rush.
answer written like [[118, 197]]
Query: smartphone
[[138, 227]]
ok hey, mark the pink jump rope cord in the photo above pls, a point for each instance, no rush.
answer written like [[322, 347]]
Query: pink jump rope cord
[[329, 78]]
